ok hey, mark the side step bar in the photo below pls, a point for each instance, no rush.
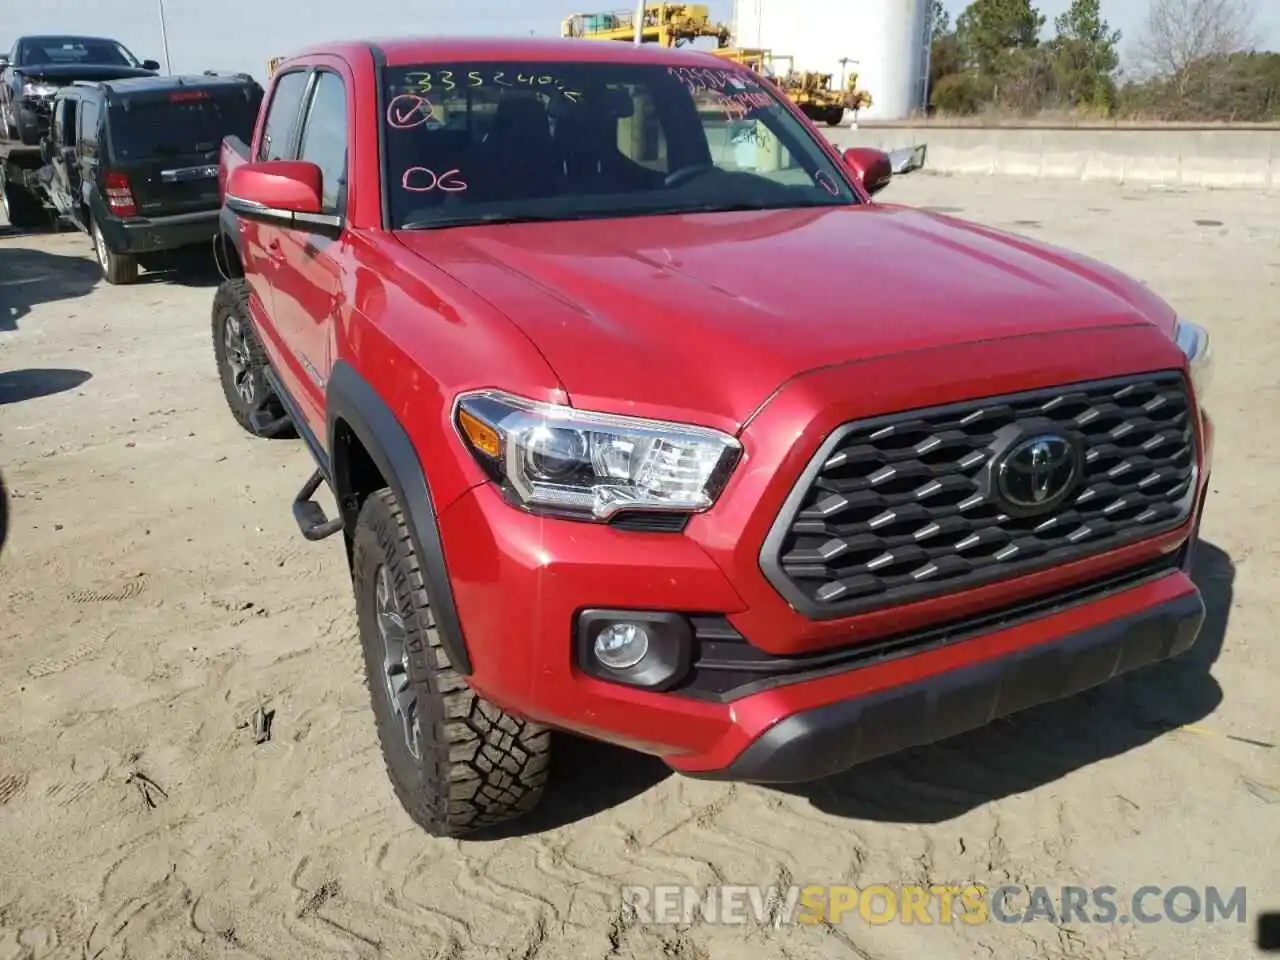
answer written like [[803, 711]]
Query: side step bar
[[309, 515], [263, 422]]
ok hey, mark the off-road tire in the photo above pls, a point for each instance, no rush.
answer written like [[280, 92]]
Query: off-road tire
[[4, 513], [21, 209], [478, 765], [117, 268], [833, 116], [231, 303]]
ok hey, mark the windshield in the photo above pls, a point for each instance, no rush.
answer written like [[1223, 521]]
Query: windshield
[[185, 122], [486, 142], [59, 51]]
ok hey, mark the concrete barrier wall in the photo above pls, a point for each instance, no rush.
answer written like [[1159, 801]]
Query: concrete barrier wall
[[1239, 158]]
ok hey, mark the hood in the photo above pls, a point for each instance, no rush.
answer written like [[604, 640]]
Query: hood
[[705, 315], [61, 74]]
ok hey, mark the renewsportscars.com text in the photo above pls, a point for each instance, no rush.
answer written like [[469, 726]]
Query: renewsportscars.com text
[[936, 904]]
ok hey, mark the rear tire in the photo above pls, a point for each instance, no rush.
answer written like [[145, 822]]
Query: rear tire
[[117, 268], [834, 116], [458, 763], [242, 363]]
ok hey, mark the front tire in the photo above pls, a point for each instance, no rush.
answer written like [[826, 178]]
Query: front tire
[[242, 363], [21, 209], [117, 268], [458, 763]]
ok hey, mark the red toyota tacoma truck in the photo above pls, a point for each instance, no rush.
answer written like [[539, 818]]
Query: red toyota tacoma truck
[[613, 454]]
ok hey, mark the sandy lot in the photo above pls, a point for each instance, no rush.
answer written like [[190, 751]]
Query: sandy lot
[[156, 592]]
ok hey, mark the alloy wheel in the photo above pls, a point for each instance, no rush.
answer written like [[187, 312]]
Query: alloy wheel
[[100, 246], [395, 664], [236, 342]]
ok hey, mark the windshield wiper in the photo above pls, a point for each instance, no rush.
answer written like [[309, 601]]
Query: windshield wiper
[[479, 218], [731, 207], [738, 207]]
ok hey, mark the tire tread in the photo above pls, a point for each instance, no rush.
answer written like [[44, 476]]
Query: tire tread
[[481, 765]]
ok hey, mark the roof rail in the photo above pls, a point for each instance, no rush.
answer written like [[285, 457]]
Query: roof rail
[[238, 74]]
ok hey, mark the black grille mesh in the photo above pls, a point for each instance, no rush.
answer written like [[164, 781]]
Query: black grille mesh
[[897, 509]]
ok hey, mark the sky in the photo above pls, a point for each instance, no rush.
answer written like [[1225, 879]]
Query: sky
[[244, 34]]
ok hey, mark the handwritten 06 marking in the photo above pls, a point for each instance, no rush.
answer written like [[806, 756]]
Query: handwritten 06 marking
[[827, 183], [424, 180]]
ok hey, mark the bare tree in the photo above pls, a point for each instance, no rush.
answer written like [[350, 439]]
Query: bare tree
[[1180, 33]]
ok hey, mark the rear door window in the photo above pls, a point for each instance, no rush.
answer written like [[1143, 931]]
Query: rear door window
[[89, 129], [64, 123], [282, 118], [180, 123]]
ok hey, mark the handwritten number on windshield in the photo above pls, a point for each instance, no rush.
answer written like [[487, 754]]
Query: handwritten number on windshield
[[827, 184], [443, 80], [424, 180], [409, 110]]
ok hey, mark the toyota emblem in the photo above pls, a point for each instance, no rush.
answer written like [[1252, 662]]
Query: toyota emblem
[[1038, 473]]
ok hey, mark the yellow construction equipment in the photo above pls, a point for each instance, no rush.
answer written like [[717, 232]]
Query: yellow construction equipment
[[675, 24], [273, 65], [809, 90], [666, 24]]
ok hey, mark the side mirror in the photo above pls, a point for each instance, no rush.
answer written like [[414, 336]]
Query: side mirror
[[4, 60], [870, 167], [150, 64], [283, 192]]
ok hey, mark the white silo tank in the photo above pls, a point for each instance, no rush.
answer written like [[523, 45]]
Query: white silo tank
[[887, 38]]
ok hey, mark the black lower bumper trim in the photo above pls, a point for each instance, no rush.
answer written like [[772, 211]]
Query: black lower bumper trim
[[826, 740], [164, 233]]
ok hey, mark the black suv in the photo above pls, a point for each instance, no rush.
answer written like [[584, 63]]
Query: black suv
[[134, 163], [37, 66]]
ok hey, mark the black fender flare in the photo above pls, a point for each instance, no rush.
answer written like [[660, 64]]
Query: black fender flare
[[228, 238], [229, 227], [351, 399]]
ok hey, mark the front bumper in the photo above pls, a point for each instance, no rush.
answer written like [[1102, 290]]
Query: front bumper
[[855, 686], [154, 234], [821, 741]]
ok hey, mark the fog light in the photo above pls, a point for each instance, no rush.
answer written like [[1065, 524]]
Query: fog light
[[639, 648], [621, 645]]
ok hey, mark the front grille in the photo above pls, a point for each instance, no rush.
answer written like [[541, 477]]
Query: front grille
[[905, 507]]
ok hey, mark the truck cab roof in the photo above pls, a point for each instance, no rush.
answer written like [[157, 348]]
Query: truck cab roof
[[401, 51]]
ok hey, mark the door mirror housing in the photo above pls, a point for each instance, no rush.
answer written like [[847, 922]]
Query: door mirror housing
[[870, 167], [4, 60], [150, 64], [284, 192]]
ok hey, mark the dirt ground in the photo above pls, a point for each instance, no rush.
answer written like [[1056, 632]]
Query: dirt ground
[[156, 592]]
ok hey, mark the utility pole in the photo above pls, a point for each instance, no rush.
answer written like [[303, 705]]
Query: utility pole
[[639, 22], [164, 39], [844, 66]]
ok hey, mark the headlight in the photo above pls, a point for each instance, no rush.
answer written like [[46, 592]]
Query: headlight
[[39, 89], [1193, 340], [593, 465]]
